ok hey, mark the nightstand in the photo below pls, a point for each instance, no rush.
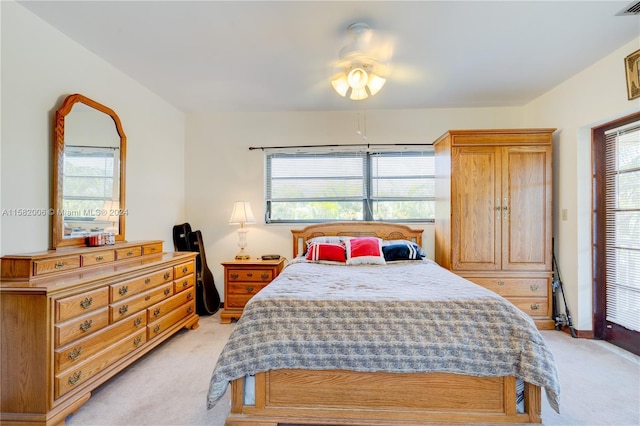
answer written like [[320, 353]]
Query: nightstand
[[242, 280]]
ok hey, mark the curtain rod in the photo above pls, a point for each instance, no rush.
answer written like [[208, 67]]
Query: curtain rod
[[368, 145]]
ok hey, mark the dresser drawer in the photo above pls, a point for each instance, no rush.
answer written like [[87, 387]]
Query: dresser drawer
[[82, 349], [129, 288], [185, 283], [259, 275], [151, 248], [156, 328], [534, 307], [70, 307], [134, 304], [237, 300], [129, 252], [159, 310], [66, 381], [510, 287], [246, 288], [84, 325], [98, 257], [43, 267], [180, 271]]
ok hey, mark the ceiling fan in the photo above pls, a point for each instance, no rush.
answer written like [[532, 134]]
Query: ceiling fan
[[362, 64]]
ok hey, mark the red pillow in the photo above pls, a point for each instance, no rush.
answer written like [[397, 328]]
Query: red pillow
[[326, 251], [365, 250]]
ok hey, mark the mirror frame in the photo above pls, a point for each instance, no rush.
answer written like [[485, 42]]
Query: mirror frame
[[57, 234]]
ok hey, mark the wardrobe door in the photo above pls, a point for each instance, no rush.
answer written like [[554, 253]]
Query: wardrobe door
[[526, 208], [476, 208]]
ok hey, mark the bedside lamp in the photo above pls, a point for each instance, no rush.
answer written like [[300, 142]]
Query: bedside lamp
[[242, 214]]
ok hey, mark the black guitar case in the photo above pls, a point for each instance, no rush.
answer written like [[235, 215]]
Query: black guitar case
[[207, 297]]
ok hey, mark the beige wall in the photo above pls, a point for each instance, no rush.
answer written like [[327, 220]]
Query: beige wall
[[40, 66], [596, 95], [221, 169]]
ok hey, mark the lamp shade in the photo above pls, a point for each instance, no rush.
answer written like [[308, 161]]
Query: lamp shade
[[242, 213], [359, 81]]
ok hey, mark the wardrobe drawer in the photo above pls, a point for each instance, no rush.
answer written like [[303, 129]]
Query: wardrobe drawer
[[535, 307], [70, 379], [72, 306], [81, 326], [129, 288], [98, 257], [185, 269], [83, 349], [132, 305], [129, 252], [185, 283], [510, 287], [159, 310], [43, 267], [156, 328]]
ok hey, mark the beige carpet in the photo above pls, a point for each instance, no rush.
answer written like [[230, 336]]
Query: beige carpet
[[600, 384]]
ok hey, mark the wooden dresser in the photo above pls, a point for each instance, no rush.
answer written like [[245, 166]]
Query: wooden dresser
[[73, 318], [242, 280], [493, 213]]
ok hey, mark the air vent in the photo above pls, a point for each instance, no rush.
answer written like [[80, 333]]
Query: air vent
[[632, 9]]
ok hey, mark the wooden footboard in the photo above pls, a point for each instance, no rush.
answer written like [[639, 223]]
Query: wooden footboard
[[332, 397]]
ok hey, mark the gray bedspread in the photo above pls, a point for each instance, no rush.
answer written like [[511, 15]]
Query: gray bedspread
[[411, 316]]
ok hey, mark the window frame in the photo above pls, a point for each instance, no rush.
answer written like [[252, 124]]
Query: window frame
[[368, 199]]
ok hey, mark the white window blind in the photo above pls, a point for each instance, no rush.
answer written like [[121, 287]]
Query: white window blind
[[623, 226], [352, 185]]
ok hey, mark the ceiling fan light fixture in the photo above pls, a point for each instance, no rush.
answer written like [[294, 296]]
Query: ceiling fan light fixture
[[358, 78], [375, 83], [358, 94], [341, 85]]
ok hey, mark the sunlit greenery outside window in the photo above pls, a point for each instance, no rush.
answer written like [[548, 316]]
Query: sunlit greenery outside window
[[88, 180], [320, 187]]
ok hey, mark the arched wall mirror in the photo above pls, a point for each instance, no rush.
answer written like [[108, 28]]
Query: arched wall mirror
[[88, 172]]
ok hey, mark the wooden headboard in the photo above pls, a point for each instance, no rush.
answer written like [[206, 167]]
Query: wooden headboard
[[384, 230]]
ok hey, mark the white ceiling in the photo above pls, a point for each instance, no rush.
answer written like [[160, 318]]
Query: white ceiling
[[279, 56]]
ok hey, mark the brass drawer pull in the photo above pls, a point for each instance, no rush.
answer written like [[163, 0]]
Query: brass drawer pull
[[137, 322], [156, 312], [123, 290], [184, 270], [137, 341], [185, 284], [189, 296], [129, 253], [99, 258], [167, 291], [264, 276], [59, 265], [167, 275], [534, 287], [75, 353], [234, 276], [147, 281], [86, 302], [535, 306], [249, 274], [500, 283], [249, 289], [147, 298], [156, 328], [190, 309], [123, 309], [153, 249], [86, 325], [75, 378]]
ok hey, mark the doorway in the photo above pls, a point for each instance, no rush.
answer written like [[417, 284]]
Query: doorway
[[616, 232]]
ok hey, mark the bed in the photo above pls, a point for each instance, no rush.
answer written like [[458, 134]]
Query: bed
[[364, 341]]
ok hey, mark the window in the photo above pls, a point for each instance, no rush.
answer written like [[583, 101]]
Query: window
[[90, 176], [316, 187]]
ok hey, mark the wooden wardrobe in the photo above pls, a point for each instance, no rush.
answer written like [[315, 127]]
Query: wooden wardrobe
[[493, 213]]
